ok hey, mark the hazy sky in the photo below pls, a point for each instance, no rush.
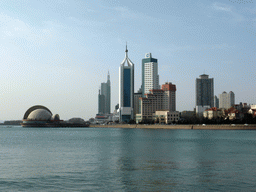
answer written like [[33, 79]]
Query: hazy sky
[[57, 52]]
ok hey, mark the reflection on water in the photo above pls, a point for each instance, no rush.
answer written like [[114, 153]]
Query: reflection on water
[[126, 160]]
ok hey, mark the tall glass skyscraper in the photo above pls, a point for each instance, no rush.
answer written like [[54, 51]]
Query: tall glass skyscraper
[[150, 77], [104, 97], [204, 93], [101, 103], [126, 89]]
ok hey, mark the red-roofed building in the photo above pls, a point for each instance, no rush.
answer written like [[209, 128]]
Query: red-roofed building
[[232, 114], [213, 112], [253, 112]]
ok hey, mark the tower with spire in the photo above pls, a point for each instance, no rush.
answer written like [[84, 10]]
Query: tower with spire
[[126, 89], [104, 97]]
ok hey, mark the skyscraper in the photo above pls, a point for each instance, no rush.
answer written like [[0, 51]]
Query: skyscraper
[[204, 93], [226, 100], [136, 102], [101, 103], [126, 89], [104, 98], [169, 97], [150, 77], [216, 101]]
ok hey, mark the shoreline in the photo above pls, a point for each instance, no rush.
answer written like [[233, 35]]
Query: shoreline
[[196, 127]]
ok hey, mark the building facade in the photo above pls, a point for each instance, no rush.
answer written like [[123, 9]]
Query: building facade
[[226, 100], [104, 97], [126, 89], [213, 113], [166, 117], [169, 98], [216, 101], [204, 92], [157, 100], [150, 104], [150, 77], [101, 103], [136, 102]]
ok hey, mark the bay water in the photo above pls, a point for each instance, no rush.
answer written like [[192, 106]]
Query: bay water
[[115, 159]]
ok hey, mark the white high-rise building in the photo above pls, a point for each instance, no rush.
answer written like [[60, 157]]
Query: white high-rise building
[[126, 89], [226, 100], [150, 77]]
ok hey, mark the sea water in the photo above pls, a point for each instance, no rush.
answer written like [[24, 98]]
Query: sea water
[[113, 159]]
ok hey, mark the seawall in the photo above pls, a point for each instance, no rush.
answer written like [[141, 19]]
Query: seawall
[[196, 127]]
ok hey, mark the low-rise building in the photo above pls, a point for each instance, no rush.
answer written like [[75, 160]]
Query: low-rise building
[[243, 107], [234, 114], [91, 120], [213, 113], [100, 119], [103, 119], [187, 114], [252, 110], [166, 117], [253, 106]]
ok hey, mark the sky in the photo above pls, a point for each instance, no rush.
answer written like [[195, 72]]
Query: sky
[[56, 53]]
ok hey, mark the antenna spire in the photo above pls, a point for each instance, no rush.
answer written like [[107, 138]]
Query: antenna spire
[[108, 76], [126, 50]]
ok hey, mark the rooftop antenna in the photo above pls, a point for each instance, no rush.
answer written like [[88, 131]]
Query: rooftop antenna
[[108, 75], [126, 50]]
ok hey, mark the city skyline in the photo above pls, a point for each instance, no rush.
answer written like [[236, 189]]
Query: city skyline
[[55, 53]]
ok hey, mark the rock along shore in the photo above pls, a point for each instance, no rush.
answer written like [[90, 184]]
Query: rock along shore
[[210, 127]]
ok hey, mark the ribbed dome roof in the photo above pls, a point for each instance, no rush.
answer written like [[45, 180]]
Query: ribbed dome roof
[[40, 114], [35, 107]]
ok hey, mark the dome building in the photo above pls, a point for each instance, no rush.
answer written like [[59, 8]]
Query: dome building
[[41, 116]]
